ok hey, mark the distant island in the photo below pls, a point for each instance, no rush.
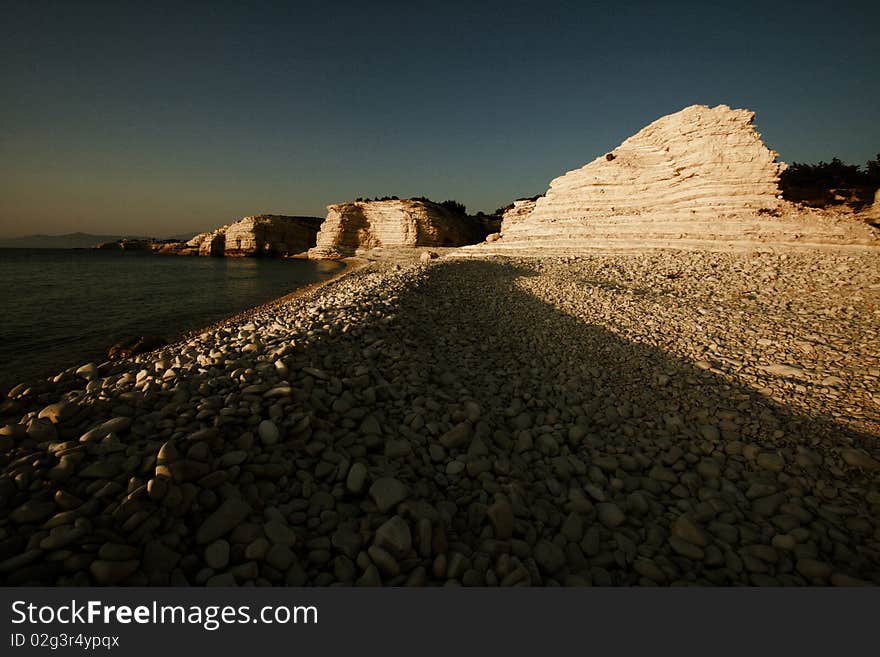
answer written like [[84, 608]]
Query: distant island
[[72, 240]]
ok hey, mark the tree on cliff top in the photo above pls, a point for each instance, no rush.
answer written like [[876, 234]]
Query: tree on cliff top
[[831, 183], [454, 207]]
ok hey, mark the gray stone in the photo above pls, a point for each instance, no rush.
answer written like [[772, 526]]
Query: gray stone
[[771, 461], [280, 557], [813, 569], [107, 573], [224, 579], [859, 459], [647, 568], [357, 478], [388, 492], [117, 552], [394, 535], [279, 533], [457, 436], [686, 549], [257, 549], [59, 412], [610, 514], [384, 560], [32, 511], [500, 514], [370, 577], [217, 554], [227, 516], [549, 556], [685, 529], [269, 433], [573, 527]]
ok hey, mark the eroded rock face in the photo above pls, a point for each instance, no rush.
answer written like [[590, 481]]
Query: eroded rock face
[[686, 170], [265, 234], [193, 246], [699, 178], [214, 243], [271, 235], [518, 212], [396, 223], [167, 247], [872, 213]]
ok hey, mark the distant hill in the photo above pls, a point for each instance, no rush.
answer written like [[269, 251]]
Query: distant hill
[[69, 241]]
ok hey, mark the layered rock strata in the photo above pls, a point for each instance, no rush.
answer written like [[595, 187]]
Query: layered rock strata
[[393, 223], [690, 179], [271, 235], [265, 234], [214, 243], [517, 213]]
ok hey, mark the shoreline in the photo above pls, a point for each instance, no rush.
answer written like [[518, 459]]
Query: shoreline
[[349, 265]]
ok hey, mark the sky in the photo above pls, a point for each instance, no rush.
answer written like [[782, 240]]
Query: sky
[[159, 119]]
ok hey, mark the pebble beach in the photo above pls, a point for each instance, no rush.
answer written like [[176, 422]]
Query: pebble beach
[[663, 418]]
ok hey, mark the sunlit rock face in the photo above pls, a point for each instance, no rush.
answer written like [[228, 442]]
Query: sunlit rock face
[[271, 235], [517, 213], [213, 244], [193, 245], [265, 234], [699, 178], [686, 172], [394, 223], [872, 212]]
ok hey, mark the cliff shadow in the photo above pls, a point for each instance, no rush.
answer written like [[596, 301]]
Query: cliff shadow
[[571, 411], [355, 232]]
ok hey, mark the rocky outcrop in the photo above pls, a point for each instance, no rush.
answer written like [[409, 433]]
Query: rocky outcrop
[[271, 235], [518, 211], [688, 172], [872, 212], [699, 177], [167, 247], [392, 223], [193, 246], [700, 162], [265, 234], [213, 243], [126, 244]]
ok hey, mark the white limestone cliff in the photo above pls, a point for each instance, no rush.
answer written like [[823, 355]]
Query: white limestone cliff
[[266, 234], [699, 176], [391, 223]]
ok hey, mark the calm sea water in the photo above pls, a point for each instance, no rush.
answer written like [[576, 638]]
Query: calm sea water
[[61, 307]]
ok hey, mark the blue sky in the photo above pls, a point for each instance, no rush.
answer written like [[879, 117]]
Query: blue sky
[[156, 119]]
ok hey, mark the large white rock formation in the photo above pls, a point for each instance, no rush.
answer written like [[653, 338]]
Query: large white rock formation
[[265, 234], [701, 175], [394, 223], [271, 235], [517, 212]]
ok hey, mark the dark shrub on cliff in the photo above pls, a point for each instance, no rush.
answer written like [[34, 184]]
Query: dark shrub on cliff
[[831, 183], [454, 207]]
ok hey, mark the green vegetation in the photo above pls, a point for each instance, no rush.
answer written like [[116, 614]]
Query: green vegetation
[[831, 183]]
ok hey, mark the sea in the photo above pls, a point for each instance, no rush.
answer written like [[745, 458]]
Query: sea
[[64, 307]]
